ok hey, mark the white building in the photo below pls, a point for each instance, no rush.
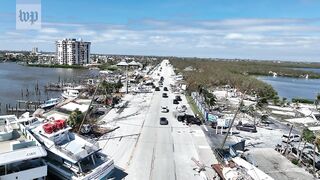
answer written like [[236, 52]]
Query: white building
[[34, 50], [71, 52], [47, 59]]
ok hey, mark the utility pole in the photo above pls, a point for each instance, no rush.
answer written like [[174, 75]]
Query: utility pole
[[127, 79], [234, 117], [89, 108]]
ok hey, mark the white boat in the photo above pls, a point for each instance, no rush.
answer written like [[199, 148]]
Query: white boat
[[70, 93], [20, 153], [50, 103], [69, 155]]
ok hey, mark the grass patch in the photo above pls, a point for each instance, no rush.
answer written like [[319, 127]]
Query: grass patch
[[302, 100], [194, 107]]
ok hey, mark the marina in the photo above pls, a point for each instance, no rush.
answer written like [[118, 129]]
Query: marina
[[28, 84]]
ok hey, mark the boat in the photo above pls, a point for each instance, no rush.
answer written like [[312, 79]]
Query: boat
[[70, 93], [20, 153], [71, 156], [50, 103]]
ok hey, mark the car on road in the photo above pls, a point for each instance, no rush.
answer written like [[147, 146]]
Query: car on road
[[164, 109], [163, 121], [293, 138], [164, 95], [190, 119], [157, 89], [165, 89], [175, 101], [178, 98], [246, 127], [181, 118]]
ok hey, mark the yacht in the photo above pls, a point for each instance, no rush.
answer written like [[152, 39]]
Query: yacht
[[50, 103], [70, 93], [70, 156], [20, 152]]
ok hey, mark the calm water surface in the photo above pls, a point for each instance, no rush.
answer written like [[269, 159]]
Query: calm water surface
[[293, 87], [15, 78]]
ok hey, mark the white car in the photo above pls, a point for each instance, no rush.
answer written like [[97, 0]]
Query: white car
[[164, 109], [293, 138]]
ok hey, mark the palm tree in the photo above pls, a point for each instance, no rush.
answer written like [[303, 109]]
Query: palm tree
[[307, 136], [316, 143]]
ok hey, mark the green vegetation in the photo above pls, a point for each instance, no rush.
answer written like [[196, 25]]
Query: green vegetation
[[108, 66], [209, 98], [193, 106], [75, 118], [218, 73], [109, 87], [295, 161], [57, 66], [302, 100]]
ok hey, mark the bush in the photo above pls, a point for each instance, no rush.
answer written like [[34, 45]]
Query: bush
[[302, 100], [295, 161]]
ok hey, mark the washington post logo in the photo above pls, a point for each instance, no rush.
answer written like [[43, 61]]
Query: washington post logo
[[28, 15]]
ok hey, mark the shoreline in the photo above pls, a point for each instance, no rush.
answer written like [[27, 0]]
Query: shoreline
[[56, 66]]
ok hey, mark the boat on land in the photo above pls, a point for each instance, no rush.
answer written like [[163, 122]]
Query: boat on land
[[20, 153], [70, 93], [50, 103], [70, 156]]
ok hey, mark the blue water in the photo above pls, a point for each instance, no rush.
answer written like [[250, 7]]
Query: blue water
[[293, 87], [15, 78]]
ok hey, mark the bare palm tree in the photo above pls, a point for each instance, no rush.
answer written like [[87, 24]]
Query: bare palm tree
[[307, 136]]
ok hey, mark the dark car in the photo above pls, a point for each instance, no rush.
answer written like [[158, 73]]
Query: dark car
[[157, 89], [178, 98], [181, 118], [164, 95], [163, 121], [247, 127], [175, 101], [165, 89], [161, 78], [190, 119]]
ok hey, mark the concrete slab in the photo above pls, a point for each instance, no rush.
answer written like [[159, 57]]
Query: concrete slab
[[277, 166]]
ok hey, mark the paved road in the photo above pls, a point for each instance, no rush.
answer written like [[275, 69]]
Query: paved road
[[144, 149], [163, 151]]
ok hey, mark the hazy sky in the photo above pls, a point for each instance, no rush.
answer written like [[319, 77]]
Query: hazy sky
[[260, 29]]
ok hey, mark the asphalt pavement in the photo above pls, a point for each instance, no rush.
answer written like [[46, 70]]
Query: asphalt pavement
[[144, 149]]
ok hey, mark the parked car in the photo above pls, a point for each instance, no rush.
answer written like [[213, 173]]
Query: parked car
[[178, 98], [165, 89], [181, 118], [164, 95], [175, 101], [247, 127], [293, 138], [157, 89], [164, 109], [190, 119], [163, 121]]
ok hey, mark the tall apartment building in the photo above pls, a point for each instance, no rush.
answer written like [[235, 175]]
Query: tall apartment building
[[71, 52]]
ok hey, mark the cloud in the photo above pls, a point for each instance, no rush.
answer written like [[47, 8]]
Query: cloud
[[211, 38]]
